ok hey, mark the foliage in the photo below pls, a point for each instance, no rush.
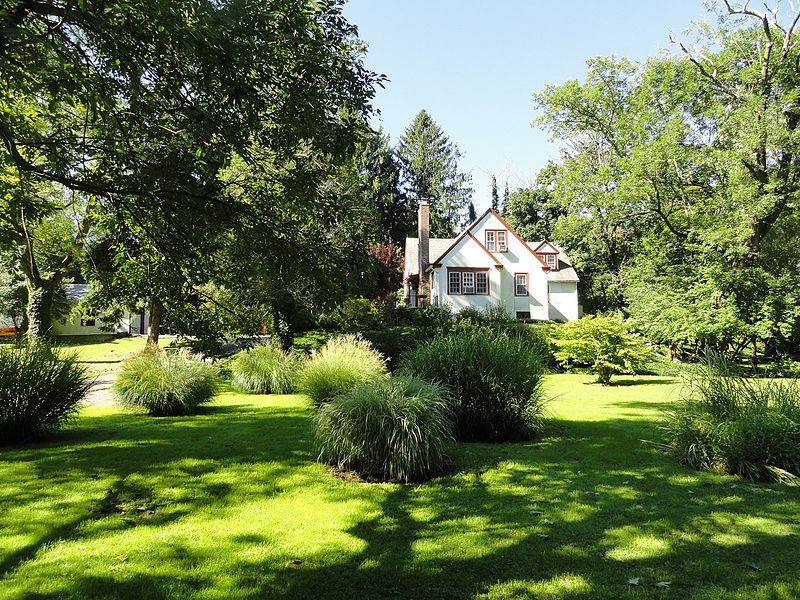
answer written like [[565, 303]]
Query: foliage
[[496, 318], [668, 168], [309, 341], [393, 340], [165, 383], [495, 381], [737, 425], [394, 429], [356, 314], [265, 370], [495, 196], [532, 211], [429, 162], [40, 389], [602, 343], [341, 364]]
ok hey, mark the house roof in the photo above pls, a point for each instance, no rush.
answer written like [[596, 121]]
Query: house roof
[[566, 272], [436, 247]]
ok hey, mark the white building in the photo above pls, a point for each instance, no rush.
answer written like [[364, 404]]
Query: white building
[[87, 323], [490, 264]]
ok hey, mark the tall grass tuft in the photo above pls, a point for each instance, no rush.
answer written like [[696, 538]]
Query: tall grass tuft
[[40, 389], [341, 364], [265, 370], [729, 423], [165, 383], [495, 381], [392, 429]]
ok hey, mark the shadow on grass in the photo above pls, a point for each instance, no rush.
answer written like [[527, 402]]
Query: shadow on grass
[[619, 509]]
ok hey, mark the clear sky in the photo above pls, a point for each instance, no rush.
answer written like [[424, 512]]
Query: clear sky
[[474, 64]]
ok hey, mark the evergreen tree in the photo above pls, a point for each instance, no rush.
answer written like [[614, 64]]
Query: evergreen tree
[[429, 162], [504, 208], [495, 195], [472, 215]]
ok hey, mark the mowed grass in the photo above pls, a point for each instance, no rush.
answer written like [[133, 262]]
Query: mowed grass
[[231, 504], [102, 358]]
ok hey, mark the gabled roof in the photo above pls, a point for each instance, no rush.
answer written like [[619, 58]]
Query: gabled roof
[[436, 247], [545, 247]]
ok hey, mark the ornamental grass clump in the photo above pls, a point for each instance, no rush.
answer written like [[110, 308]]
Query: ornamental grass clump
[[732, 424], [390, 429], [341, 364], [494, 380], [165, 383], [265, 370], [40, 389]]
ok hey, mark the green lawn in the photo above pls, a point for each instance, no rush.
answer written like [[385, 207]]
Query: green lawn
[[104, 357], [230, 504]]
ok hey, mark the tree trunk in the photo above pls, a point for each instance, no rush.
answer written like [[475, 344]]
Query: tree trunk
[[154, 327], [40, 308]]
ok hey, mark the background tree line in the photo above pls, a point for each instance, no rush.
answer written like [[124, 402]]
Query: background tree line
[[676, 191]]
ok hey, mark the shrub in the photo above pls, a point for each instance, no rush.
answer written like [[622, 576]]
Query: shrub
[[165, 383], [601, 343], [40, 389], [265, 370], [356, 314], [393, 429], [725, 422], [392, 341], [341, 364], [494, 380]]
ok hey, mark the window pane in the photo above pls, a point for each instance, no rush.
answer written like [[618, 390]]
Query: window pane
[[551, 261], [490, 241], [521, 281], [501, 241], [454, 279], [481, 283], [468, 280]]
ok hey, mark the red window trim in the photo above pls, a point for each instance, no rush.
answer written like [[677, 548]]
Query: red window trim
[[527, 288], [463, 270], [496, 239]]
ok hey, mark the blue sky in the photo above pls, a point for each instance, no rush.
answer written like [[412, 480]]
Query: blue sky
[[474, 64]]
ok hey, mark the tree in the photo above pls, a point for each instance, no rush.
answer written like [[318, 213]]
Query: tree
[[495, 196], [602, 343], [139, 107], [532, 212], [472, 214], [696, 153], [429, 162], [378, 172], [505, 199]]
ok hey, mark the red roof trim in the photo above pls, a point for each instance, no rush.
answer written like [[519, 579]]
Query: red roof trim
[[497, 263], [553, 249], [466, 232], [519, 239]]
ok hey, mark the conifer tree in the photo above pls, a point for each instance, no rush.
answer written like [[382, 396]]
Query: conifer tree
[[495, 195], [429, 162]]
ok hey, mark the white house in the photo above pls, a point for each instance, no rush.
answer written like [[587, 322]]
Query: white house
[[490, 264], [86, 323]]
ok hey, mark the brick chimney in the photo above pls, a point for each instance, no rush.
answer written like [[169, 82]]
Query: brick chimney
[[424, 233]]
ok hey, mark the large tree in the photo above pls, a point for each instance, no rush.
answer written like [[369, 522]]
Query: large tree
[[430, 171], [139, 106], [695, 155]]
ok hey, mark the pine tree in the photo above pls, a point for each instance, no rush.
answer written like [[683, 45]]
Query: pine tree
[[504, 208], [429, 162], [472, 215], [495, 195]]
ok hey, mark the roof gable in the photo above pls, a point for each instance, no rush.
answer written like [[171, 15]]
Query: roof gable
[[546, 247]]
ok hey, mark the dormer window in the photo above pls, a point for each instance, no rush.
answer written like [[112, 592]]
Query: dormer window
[[552, 261], [496, 240]]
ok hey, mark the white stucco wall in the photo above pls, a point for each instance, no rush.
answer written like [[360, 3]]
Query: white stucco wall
[[563, 301], [518, 259]]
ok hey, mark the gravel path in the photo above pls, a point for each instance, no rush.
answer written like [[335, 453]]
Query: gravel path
[[100, 394]]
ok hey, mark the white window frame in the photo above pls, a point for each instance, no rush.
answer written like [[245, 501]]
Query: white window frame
[[451, 280], [502, 241], [517, 284], [468, 288], [551, 261], [490, 240], [484, 285]]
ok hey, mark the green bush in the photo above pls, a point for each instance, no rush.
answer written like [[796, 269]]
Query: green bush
[[392, 341], [165, 383], [495, 381], [308, 341], [357, 314], [725, 422], [265, 370], [341, 364], [601, 343], [40, 389], [392, 429]]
